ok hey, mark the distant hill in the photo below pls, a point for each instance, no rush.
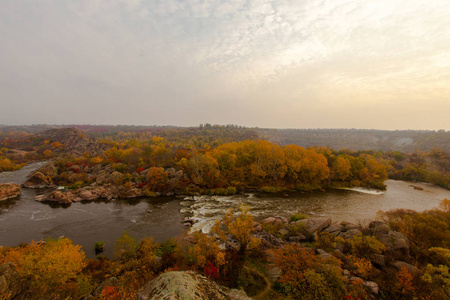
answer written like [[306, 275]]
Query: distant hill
[[355, 139], [361, 139]]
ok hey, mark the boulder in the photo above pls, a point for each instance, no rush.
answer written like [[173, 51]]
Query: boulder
[[348, 226], [371, 287], [277, 221], [315, 224], [323, 253], [37, 180], [133, 193], [378, 260], [274, 272], [297, 239], [378, 227], [9, 190], [87, 195], [57, 196], [270, 220], [396, 243], [334, 229], [49, 170], [102, 176], [349, 233], [114, 177], [400, 264], [187, 285], [268, 240]]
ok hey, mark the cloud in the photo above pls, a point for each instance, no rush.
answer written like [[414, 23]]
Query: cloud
[[189, 62]]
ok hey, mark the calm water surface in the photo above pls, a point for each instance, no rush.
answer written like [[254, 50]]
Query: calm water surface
[[23, 219]]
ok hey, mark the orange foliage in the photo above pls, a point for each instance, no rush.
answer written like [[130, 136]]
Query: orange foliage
[[404, 284]]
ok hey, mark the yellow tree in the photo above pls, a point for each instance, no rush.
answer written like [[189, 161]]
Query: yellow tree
[[305, 166], [204, 169], [240, 227]]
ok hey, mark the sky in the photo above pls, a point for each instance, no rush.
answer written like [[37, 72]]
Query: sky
[[380, 64]]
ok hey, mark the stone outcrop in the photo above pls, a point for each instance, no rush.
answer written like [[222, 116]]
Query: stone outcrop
[[73, 140], [396, 243], [401, 264], [313, 225], [9, 190], [187, 285], [344, 230], [38, 180], [63, 197], [9, 281], [277, 221]]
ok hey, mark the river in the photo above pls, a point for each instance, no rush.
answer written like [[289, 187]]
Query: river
[[23, 219]]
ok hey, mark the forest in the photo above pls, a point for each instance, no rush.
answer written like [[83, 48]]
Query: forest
[[403, 255], [214, 157]]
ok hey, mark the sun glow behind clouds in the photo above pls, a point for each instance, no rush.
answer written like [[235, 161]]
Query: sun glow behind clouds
[[337, 63]]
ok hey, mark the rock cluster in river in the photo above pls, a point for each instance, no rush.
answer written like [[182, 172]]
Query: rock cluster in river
[[9, 190], [104, 183]]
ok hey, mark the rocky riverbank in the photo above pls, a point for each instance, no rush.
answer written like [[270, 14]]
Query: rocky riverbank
[[392, 256]]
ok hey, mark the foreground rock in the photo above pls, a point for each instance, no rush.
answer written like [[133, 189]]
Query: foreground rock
[[187, 285], [9, 281], [9, 190]]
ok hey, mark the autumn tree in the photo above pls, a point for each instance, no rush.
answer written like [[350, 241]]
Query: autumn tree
[[203, 169], [238, 226], [49, 268], [305, 166]]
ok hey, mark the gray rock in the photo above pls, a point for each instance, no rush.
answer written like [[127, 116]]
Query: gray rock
[[379, 260], [270, 220], [87, 195], [379, 227], [400, 264], [394, 240], [315, 224], [323, 253], [371, 287], [334, 229], [274, 272], [349, 233], [347, 226], [297, 239]]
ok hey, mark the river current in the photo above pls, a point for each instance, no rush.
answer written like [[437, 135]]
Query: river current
[[23, 219]]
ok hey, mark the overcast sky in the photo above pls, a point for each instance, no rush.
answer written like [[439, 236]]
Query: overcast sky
[[381, 64]]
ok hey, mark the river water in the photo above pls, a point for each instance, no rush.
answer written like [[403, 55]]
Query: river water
[[23, 219]]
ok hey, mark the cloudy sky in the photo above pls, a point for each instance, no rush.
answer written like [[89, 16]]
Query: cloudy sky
[[285, 64]]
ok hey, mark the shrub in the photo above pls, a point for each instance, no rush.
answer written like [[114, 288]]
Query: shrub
[[365, 246], [297, 217]]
